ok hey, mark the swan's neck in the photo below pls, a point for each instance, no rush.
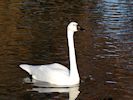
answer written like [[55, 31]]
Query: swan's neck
[[73, 66]]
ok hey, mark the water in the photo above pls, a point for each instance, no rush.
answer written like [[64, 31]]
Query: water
[[34, 32]]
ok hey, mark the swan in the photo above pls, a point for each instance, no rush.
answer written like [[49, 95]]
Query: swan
[[56, 73]]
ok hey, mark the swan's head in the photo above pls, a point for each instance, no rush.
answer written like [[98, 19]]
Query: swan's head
[[73, 27]]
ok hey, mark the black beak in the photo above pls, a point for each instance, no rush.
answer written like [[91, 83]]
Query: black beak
[[80, 28]]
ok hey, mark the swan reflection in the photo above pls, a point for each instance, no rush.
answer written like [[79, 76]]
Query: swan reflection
[[43, 87]]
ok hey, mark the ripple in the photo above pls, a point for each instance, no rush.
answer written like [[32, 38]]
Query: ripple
[[111, 82]]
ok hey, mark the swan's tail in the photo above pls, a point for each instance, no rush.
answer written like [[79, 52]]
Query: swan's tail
[[26, 68]]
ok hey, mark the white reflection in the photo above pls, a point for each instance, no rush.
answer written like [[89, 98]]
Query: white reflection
[[43, 87]]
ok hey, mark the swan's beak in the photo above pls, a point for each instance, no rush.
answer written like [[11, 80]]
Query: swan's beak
[[80, 28]]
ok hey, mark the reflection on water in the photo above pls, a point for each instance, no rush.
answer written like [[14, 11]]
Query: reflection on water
[[34, 32], [73, 91], [46, 88]]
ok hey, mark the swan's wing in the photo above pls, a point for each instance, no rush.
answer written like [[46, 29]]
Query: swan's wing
[[49, 73], [57, 66], [54, 66]]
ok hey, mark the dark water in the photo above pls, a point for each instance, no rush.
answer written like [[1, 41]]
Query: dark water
[[34, 32]]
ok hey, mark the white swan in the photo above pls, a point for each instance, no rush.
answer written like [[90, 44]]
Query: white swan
[[56, 73]]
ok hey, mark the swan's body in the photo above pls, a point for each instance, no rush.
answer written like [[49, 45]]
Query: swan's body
[[56, 73]]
